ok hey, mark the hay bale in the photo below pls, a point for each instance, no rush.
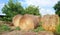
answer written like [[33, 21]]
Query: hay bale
[[49, 22], [28, 22], [16, 20]]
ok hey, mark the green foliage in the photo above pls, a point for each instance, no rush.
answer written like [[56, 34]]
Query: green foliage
[[13, 8], [58, 28], [32, 10], [4, 28], [39, 29], [57, 8], [17, 28]]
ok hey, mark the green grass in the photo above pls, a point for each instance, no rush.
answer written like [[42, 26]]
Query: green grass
[[38, 29], [17, 28], [58, 27], [4, 28]]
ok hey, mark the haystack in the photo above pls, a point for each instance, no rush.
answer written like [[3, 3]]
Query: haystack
[[16, 20], [50, 22], [29, 22]]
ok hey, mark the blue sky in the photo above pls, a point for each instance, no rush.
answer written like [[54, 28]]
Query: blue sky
[[45, 6]]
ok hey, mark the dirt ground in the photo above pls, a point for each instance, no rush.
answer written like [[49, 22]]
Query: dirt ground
[[27, 33]]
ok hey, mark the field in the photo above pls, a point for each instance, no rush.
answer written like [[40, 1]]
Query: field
[[4, 27]]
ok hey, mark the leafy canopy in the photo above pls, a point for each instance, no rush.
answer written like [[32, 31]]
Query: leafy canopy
[[14, 7], [57, 8]]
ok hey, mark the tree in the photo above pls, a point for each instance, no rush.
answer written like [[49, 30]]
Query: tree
[[57, 8], [32, 10], [11, 9]]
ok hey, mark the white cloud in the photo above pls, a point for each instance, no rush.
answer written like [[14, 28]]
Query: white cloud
[[46, 11], [1, 6], [45, 5], [41, 2]]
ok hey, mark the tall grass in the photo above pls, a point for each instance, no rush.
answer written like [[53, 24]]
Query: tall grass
[[58, 27]]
